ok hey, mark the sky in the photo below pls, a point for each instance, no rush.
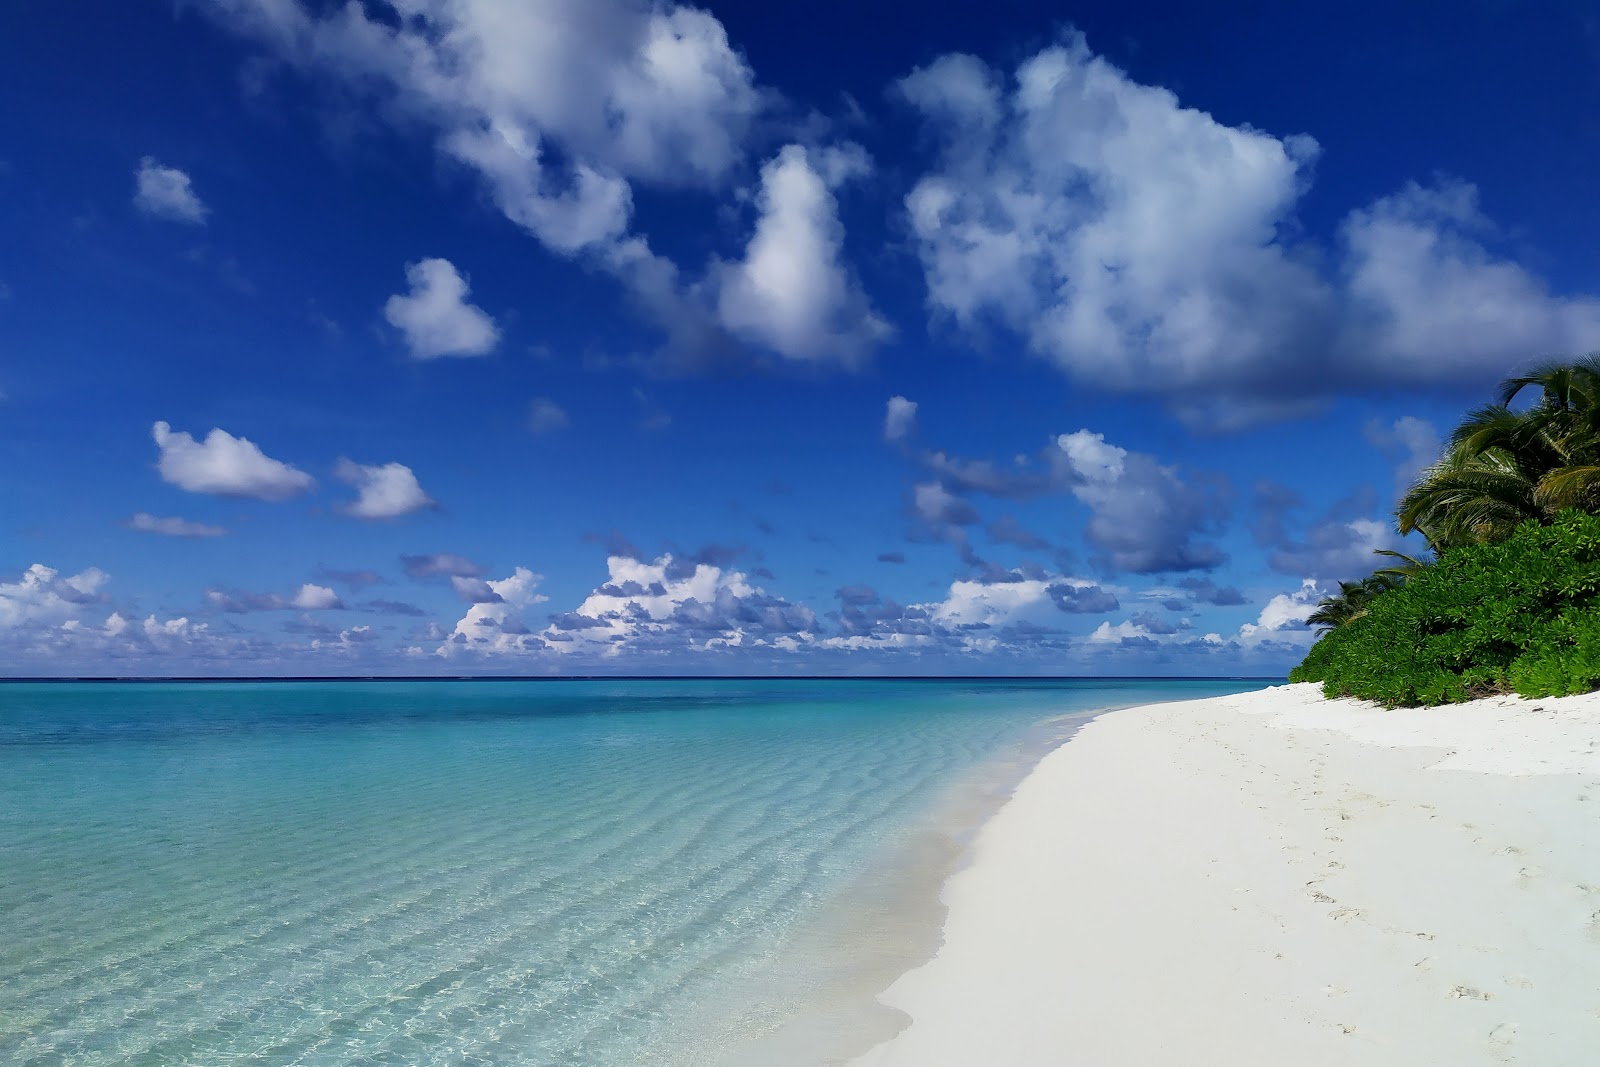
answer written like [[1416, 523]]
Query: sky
[[600, 337]]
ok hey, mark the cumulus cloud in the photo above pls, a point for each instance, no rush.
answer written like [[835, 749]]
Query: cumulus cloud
[[1145, 246], [316, 597], [166, 193], [41, 594], [435, 316], [1142, 515], [53, 624], [1435, 304], [1130, 239], [939, 508], [792, 292], [1083, 598], [225, 465], [662, 607], [1283, 618], [474, 590], [346, 642], [172, 526], [1003, 612], [440, 564], [546, 416], [900, 418], [555, 103], [667, 605], [308, 597], [497, 626], [383, 491], [560, 106]]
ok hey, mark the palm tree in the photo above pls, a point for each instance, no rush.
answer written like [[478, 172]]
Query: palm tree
[[1504, 467], [1353, 598]]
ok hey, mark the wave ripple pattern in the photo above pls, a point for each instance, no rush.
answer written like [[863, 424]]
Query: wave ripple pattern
[[447, 873]]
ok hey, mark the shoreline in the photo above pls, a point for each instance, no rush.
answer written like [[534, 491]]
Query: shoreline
[[887, 923], [891, 919], [1275, 877]]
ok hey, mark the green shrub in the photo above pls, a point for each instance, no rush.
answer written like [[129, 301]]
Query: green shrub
[[1521, 615]]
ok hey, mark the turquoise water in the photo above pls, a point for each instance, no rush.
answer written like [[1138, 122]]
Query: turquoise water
[[459, 872]]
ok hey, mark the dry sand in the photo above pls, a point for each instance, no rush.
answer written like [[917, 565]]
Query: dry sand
[[1274, 878]]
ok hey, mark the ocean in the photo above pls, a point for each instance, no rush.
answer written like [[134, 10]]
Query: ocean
[[413, 873]]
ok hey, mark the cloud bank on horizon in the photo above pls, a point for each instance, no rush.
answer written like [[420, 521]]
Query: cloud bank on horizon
[[1029, 367]]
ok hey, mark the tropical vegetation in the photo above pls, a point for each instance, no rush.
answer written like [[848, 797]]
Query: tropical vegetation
[[1508, 601]]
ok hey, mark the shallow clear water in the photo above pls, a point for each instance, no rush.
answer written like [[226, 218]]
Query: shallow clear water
[[457, 872]]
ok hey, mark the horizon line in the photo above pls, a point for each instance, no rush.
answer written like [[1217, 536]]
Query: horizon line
[[148, 678]]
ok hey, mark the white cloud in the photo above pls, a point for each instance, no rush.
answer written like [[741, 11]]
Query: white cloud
[[560, 105], [348, 643], [315, 597], [1283, 618], [1436, 304], [225, 465], [473, 590], [42, 595], [1145, 246], [1008, 612], [308, 597], [496, 626], [900, 418], [546, 416], [1108, 633], [940, 508], [791, 292], [657, 604], [166, 193], [435, 316], [1142, 514], [997, 604], [619, 90], [173, 526], [1132, 240], [383, 491]]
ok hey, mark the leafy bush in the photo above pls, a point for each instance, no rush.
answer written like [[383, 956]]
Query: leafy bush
[[1521, 615]]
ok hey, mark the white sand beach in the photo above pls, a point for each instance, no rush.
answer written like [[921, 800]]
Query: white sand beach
[[1275, 878]]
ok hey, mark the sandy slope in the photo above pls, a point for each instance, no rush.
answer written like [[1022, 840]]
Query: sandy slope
[[1278, 879]]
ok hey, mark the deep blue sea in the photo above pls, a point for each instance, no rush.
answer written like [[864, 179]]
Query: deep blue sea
[[411, 873]]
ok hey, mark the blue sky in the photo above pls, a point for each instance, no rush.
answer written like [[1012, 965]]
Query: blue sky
[[461, 336]]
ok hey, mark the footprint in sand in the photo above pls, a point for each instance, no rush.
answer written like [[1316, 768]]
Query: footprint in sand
[[1466, 992], [1501, 1037]]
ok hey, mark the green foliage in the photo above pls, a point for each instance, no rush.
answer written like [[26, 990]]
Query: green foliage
[[1522, 614], [1503, 467]]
